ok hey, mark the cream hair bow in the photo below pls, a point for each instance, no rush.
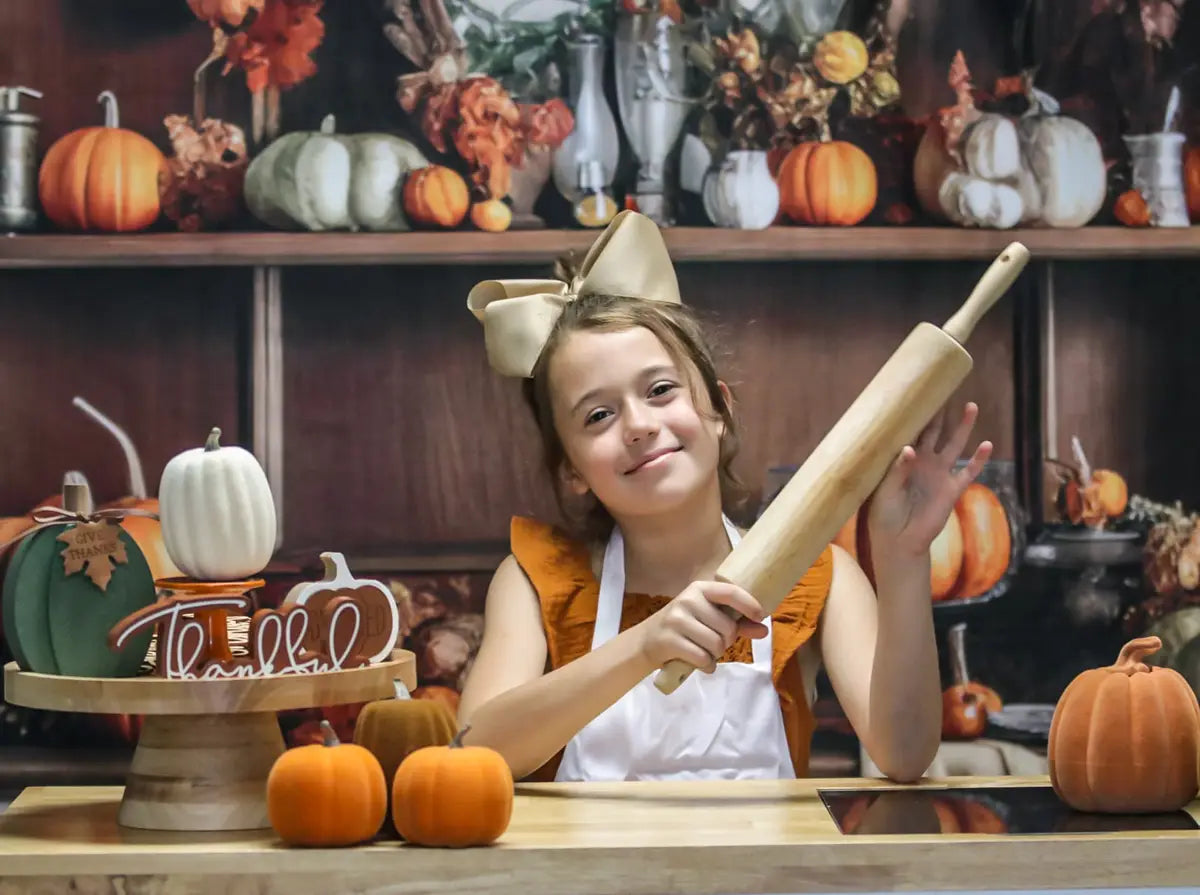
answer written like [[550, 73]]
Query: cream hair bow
[[629, 258]]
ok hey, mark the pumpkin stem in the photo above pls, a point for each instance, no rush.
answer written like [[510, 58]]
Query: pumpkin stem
[[958, 653], [112, 114], [457, 742], [1085, 468], [213, 437], [76, 495], [329, 124], [335, 566], [327, 731], [1130, 659], [137, 480]]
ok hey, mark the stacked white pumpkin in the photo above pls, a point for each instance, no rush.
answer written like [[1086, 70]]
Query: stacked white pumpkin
[[1043, 169], [217, 512]]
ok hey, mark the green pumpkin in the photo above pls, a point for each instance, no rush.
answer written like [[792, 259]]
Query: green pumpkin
[[1175, 630], [322, 180], [58, 622]]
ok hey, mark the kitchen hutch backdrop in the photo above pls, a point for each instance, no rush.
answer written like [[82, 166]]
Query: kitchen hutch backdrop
[[292, 198]]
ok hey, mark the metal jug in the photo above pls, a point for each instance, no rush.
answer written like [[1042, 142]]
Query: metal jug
[[18, 161]]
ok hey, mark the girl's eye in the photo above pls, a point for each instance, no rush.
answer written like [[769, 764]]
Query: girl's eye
[[594, 417], [661, 389]]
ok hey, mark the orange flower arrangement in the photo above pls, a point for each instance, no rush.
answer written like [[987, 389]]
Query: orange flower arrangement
[[490, 131], [268, 39]]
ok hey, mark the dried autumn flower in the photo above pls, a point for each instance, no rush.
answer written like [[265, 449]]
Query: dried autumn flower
[[546, 125], [274, 50], [224, 13]]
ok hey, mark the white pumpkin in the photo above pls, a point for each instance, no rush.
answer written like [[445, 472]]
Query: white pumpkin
[[992, 149], [217, 512], [976, 202], [1063, 180], [328, 181]]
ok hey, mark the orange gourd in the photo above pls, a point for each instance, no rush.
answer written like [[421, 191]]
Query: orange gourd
[[831, 183], [1131, 209], [102, 178], [327, 795], [840, 57], [987, 541], [1191, 181], [493, 215], [452, 796], [1124, 738], [436, 196]]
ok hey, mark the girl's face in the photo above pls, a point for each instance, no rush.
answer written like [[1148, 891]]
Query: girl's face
[[630, 429]]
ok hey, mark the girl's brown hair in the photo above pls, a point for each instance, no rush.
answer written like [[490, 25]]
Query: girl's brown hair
[[683, 336]]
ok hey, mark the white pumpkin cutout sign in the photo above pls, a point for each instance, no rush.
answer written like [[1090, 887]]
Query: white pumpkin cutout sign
[[380, 617], [217, 512]]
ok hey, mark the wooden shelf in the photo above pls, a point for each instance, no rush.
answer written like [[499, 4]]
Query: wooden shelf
[[244, 249]]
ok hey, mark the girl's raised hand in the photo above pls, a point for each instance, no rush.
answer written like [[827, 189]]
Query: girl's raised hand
[[910, 506]]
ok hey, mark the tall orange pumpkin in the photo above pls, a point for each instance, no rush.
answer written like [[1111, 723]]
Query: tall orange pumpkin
[[987, 540], [1191, 180], [102, 178], [1124, 739], [832, 183], [436, 196]]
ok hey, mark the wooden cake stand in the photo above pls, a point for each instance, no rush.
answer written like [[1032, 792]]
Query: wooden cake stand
[[206, 746]]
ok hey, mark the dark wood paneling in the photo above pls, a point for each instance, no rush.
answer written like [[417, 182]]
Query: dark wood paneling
[[1128, 369], [399, 437], [154, 350]]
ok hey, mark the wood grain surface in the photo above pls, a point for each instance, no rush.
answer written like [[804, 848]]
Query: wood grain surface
[[585, 839]]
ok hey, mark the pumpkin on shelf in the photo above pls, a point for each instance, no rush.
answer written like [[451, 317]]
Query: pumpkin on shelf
[[452, 796], [380, 617], [67, 584], [436, 196], [393, 729], [492, 215], [1124, 739], [326, 795], [1086, 495], [323, 180], [1131, 209], [830, 183], [103, 178], [217, 511], [840, 57], [978, 168], [1191, 181]]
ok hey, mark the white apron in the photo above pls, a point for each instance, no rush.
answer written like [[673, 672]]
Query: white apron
[[724, 725]]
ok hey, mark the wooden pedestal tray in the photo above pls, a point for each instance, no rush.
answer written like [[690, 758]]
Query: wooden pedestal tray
[[206, 746]]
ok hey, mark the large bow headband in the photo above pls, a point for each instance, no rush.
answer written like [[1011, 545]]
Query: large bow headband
[[629, 258]]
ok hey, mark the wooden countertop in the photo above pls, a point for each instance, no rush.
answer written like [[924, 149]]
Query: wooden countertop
[[591, 839]]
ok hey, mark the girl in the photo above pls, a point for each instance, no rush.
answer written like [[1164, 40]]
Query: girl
[[638, 428]]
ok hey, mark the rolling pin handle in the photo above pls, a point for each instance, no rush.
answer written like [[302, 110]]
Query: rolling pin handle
[[671, 675], [994, 283]]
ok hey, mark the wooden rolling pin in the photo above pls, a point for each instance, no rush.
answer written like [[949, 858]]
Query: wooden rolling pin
[[852, 459]]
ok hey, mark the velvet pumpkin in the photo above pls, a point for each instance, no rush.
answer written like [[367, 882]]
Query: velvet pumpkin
[[452, 796], [102, 178], [1124, 739], [327, 794], [832, 183], [436, 196], [393, 729]]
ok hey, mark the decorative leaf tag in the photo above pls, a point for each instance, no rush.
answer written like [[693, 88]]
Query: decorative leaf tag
[[96, 545]]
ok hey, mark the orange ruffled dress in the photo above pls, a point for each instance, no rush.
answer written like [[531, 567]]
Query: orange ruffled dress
[[560, 570]]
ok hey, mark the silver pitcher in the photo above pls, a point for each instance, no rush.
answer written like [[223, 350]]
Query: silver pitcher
[[651, 68], [18, 161]]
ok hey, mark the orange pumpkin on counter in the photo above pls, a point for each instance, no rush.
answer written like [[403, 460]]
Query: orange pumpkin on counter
[[1124, 738], [102, 178], [436, 196], [827, 184]]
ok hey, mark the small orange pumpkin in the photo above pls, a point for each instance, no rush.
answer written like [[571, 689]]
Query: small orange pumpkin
[[102, 178], [327, 795], [452, 796], [840, 57], [1124, 738], [492, 215], [436, 196], [1191, 181], [1131, 209], [832, 183]]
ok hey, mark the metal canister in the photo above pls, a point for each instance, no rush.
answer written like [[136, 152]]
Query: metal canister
[[18, 161]]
